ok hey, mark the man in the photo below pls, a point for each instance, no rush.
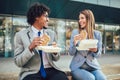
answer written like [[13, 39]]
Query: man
[[36, 64]]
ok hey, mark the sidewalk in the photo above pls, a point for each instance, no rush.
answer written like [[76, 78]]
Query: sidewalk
[[110, 65]]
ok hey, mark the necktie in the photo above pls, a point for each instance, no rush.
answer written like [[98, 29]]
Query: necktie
[[42, 70]]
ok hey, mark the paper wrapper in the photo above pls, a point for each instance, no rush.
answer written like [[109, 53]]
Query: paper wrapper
[[86, 44], [49, 49]]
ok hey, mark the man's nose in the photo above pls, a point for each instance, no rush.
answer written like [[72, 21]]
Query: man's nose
[[47, 19]]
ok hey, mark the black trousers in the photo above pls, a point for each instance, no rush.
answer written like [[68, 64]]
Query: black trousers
[[52, 74]]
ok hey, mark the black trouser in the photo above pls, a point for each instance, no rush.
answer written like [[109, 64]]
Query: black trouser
[[52, 74]]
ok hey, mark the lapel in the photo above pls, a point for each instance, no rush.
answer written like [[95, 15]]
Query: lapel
[[30, 37], [29, 34]]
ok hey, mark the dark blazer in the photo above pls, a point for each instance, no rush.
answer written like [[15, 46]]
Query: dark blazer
[[79, 57], [28, 62]]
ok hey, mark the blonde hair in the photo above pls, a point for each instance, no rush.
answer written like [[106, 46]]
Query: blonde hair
[[90, 22]]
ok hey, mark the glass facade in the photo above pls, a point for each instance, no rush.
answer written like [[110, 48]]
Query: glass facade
[[111, 37], [9, 25], [109, 3], [5, 36]]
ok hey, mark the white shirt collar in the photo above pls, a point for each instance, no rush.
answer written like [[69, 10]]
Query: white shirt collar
[[35, 31]]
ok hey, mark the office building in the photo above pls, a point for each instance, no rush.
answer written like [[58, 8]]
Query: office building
[[63, 19]]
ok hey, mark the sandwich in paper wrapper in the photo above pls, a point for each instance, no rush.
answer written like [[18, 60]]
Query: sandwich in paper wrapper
[[83, 33], [48, 49]]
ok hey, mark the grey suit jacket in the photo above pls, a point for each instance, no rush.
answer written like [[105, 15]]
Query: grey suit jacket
[[28, 62], [79, 57]]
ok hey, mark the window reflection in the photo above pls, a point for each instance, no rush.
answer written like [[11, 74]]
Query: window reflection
[[6, 28], [63, 28]]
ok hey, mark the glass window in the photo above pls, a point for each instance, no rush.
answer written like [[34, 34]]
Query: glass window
[[116, 39], [5, 35], [63, 29], [104, 2], [70, 25], [91, 1], [115, 3], [78, 0]]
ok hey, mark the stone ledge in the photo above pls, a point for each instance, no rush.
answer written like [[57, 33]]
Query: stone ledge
[[14, 76], [9, 76], [111, 71]]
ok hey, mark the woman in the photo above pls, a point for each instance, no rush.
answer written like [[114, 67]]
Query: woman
[[84, 65]]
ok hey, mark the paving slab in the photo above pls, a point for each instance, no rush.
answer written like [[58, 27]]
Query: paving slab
[[110, 64]]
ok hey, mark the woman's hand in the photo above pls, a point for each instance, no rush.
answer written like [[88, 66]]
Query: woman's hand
[[77, 38], [93, 50]]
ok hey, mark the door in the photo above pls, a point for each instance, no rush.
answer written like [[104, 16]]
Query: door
[[2, 41], [109, 41], [112, 42]]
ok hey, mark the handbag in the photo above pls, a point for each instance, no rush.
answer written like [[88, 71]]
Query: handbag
[[87, 67]]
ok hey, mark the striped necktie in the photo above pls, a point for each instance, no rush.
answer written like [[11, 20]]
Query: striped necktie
[[42, 70]]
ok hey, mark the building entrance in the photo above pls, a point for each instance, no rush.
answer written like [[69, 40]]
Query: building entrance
[[7, 40], [112, 42], [2, 41]]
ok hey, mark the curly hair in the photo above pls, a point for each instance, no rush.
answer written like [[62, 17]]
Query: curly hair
[[36, 10]]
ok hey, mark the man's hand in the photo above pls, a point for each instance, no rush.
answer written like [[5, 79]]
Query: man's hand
[[37, 41]]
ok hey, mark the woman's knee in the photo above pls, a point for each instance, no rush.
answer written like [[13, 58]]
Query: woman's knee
[[82, 76], [100, 75], [103, 77]]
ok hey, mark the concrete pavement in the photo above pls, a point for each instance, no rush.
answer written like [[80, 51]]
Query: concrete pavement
[[110, 64]]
